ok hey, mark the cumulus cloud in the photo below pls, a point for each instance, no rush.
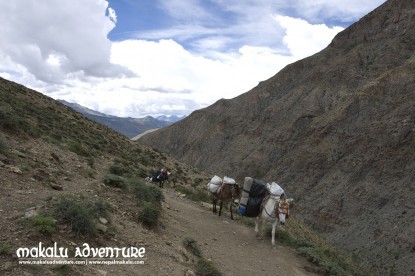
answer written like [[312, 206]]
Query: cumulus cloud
[[58, 40], [299, 33]]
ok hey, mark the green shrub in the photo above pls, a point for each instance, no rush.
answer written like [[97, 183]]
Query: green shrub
[[147, 193], [114, 181], [191, 245], [99, 208], [149, 214], [206, 268], [79, 214], [117, 169], [44, 225]]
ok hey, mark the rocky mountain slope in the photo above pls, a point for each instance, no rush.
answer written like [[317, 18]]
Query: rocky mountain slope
[[129, 127], [336, 130], [69, 181]]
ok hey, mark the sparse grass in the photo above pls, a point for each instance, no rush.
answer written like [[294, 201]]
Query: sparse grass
[[245, 220], [195, 195], [326, 260], [63, 270], [203, 267], [79, 149], [5, 249], [15, 124], [191, 245]]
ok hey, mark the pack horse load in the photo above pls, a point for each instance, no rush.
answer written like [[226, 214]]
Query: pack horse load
[[265, 202], [223, 190]]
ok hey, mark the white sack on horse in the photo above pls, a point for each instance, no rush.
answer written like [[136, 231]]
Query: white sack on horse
[[214, 184], [228, 180], [216, 180], [275, 189]]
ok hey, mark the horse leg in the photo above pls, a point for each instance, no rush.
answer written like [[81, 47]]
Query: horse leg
[[230, 207], [214, 206], [259, 227], [274, 225], [220, 208]]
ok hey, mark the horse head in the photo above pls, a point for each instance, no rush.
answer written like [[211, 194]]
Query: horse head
[[282, 208], [236, 194]]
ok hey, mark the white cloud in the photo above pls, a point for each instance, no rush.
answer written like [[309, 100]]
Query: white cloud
[[61, 48], [55, 40], [173, 80], [300, 33]]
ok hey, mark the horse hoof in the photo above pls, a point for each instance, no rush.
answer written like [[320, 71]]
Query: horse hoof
[[259, 238], [274, 247]]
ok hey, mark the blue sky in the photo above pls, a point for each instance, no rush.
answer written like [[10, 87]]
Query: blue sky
[[150, 57]]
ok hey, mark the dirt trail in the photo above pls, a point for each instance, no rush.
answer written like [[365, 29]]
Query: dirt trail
[[231, 245]]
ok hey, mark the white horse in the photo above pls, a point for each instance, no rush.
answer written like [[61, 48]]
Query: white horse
[[275, 208]]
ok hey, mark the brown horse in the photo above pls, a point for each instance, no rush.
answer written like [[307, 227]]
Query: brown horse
[[226, 192]]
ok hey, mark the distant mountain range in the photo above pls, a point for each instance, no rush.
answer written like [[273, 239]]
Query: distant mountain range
[[130, 127]]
